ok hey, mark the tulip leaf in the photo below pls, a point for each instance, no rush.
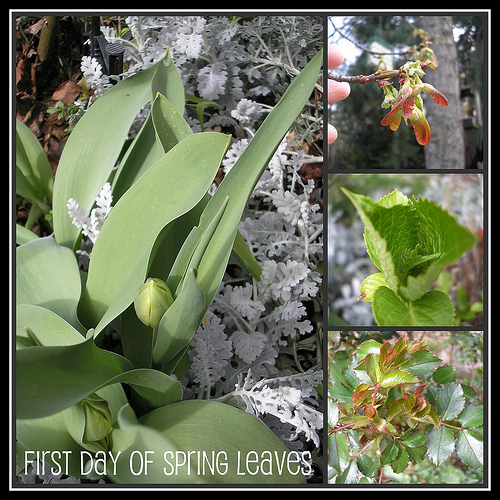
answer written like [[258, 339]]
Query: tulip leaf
[[222, 431], [95, 144], [180, 322], [239, 183], [156, 199], [47, 275], [33, 172], [51, 378]]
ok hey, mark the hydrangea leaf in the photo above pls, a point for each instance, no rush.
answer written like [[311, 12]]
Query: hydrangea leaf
[[434, 308], [410, 241]]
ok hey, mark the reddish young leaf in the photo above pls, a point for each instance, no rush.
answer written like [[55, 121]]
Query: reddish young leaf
[[420, 127]]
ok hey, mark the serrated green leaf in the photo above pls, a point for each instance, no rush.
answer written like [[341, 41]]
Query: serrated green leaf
[[395, 409], [445, 374], [434, 308], [400, 463], [410, 242], [370, 285], [472, 416], [367, 347], [416, 454], [372, 367], [440, 444], [469, 448], [338, 451], [350, 474], [415, 439], [397, 377], [421, 362], [389, 453], [450, 401]]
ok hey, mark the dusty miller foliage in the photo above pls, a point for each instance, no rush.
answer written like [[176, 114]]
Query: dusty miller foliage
[[248, 343]]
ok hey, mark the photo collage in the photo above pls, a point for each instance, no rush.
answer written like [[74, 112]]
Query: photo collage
[[250, 250]]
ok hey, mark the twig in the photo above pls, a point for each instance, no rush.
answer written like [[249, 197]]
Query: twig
[[362, 79], [374, 77]]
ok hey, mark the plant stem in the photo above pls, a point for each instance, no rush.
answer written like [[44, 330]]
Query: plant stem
[[374, 77]]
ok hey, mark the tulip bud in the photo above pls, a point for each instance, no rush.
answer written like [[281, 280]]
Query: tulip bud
[[97, 420], [151, 301]]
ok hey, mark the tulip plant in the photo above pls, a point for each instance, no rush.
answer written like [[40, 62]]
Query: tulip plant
[[158, 261]]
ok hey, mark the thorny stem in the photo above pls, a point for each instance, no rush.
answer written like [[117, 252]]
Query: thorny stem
[[374, 77]]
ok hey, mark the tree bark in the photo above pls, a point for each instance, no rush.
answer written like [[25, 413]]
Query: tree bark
[[446, 148]]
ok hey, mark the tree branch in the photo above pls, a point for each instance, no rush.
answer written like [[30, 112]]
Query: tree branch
[[374, 77], [362, 79]]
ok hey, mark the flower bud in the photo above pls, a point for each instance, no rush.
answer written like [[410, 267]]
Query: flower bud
[[97, 420], [151, 301]]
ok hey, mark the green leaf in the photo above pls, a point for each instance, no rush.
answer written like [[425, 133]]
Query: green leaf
[[370, 285], [169, 125], [33, 172], [180, 322], [469, 448], [49, 379], [416, 454], [130, 231], [410, 241], [202, 428], [395, 409], [472, 416], [349, 475], [414, 439], [450, 401], [389, 453], [400, 463], [421, 362], [338, 451], [23, 235], [440, 444], [47, 275], [434, 308], [445, 374], [49, 433], [367, 347], [397, 377], [96, 142], [372, 367], [241, 180], [44, 326]]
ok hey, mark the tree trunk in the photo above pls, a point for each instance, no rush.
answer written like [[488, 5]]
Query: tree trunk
[[446, 148]]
